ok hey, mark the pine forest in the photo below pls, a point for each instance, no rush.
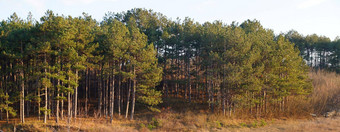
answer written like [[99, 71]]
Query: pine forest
[[139, 64]]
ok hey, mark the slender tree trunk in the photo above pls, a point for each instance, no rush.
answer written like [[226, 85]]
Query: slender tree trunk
[[62, 95], [283, 104], [87, 83], [128, 99], [7, 112], [229, 102], [265, 102], [72, 101], [6, 99], [197, 78], [177, 78], [45, 111], [107, 92], [165, 85], [207, 87], [104, 98], [211, 89], [49, 103], [189, 79], [57, 111], [100, 92], [1, 85], [1, 118], [28, 86], [185, 78], [69, 107], [22, 94], [22, 85], [39, 100], [223, 89], [119, 88], [62, 107], [133, 94], [223, 102], [68, 110], [112, 96], [76, 97]]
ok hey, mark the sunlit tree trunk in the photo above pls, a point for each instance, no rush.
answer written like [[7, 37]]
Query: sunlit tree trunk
[[128, 98], [133, 94], [112, 96]]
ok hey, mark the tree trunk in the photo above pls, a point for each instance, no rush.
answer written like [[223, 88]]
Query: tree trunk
[[7, 113], [128, 99], [1, 85], [178, 73], [185, 78], [189, 79], [207, 87], [22, 85], [177, 77], [39, 100], [69, 106], [223, 102], [197, 78], [49, 103], [104, 97], [62, 96], [107, 92], [28, 86], [265, 102], [6, 99], [112, 96], [76, 97], [45, 111], [22, 93], [100, 92], [133, 94], [62, 107], [57, 111], [165, 85], [68, 110], [119, 88], [87, 83], [230, 105], [212, 95]]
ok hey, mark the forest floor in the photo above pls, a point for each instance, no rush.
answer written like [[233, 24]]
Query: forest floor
[[187, 123]]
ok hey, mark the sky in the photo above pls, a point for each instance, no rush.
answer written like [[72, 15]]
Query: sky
[[321, 17]]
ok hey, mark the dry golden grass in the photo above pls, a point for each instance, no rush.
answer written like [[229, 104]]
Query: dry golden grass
[[326, 95], [314, 125], [80, 124]]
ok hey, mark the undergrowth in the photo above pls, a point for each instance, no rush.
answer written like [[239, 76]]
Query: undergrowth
[[184, 116]]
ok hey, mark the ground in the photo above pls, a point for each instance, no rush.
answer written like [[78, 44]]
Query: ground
[[184, 123], [320, 124]]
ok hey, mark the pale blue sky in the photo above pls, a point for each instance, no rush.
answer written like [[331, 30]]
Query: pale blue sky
[[306, 16]]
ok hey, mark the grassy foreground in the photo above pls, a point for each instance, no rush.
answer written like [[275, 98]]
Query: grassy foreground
[[185, 117]]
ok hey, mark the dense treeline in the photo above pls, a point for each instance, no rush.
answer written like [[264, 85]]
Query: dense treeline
[[318, 51], [45, 64], [76, 66]]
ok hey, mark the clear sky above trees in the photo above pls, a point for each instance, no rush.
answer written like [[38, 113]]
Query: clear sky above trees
[[305, 16]]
